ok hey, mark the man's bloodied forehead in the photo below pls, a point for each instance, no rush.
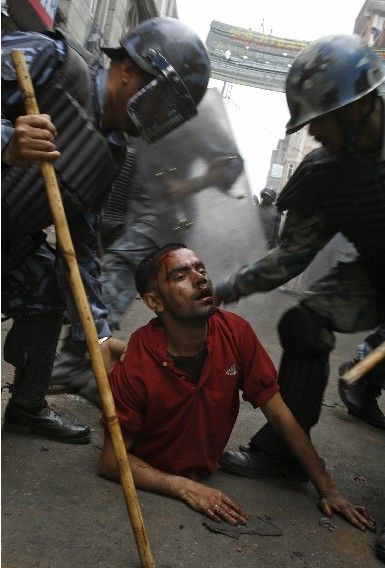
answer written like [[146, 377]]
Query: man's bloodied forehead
[[174, 259]]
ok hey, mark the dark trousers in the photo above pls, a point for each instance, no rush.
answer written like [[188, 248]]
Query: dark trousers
[[345, 301]]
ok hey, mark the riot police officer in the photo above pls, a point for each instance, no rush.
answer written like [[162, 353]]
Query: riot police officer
[[332, 86], [157, 76]]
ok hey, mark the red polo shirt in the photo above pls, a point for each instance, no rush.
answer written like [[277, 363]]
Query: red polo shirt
[[181, 427]]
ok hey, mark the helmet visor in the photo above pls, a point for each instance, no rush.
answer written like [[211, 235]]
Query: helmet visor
[[161, 105]]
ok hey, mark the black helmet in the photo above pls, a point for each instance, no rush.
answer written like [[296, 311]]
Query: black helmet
[[178, 60], [268, 192], [328, 74]]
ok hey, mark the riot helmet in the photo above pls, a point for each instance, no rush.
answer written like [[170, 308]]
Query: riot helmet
[[327, 75], [172, 53], [269, 193]]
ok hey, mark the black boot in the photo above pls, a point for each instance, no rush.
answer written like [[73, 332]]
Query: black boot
[[351, 395], [370, 413], [30, 346], [43, 421], [360, 397], [248, 463]]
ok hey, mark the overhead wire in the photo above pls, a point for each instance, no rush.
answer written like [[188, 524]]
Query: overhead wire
[[230, 99]]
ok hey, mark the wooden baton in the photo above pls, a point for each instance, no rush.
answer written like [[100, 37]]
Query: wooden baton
[[66, 246], [367, 363]]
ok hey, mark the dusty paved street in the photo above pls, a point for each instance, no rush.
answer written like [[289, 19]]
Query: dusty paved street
[[57, 512]]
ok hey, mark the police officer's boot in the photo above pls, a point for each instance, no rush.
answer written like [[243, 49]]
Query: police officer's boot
[[360, 397], [30, 346]]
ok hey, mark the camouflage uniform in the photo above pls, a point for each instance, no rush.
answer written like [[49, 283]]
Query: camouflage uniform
[[349, 298], [345, 296], [35, 289], [40, 286]]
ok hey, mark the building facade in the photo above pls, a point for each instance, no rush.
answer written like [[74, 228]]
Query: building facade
[[91, 22], [287, 156], [290, 151], [370, 23]]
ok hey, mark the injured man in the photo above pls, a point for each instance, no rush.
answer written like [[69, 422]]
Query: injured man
[[176, 391]]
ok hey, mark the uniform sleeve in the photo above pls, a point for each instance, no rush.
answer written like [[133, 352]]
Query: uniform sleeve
[[42, 55], [7, 131], [129, 395], [304, 234], [259, 376]]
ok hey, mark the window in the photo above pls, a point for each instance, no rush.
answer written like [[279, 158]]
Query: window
[[289, 171], [93, 4]]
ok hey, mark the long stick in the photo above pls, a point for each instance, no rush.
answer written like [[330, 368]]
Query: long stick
[[77, 288], [367, 363]]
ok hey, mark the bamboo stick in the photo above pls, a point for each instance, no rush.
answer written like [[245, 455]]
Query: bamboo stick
[[77, 288], [367, 363]]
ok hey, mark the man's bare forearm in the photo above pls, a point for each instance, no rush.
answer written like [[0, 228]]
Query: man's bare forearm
[[330, 500], [209, 501], [285, 424], [151, 479], [146, 477]]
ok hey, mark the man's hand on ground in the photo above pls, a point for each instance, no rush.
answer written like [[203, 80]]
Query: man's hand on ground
[[357, 516], [330, 500], [33, 139], [212, 502]]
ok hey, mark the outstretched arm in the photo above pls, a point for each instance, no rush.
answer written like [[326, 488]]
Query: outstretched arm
[[330, 500], [304, 234], [211, 502]]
